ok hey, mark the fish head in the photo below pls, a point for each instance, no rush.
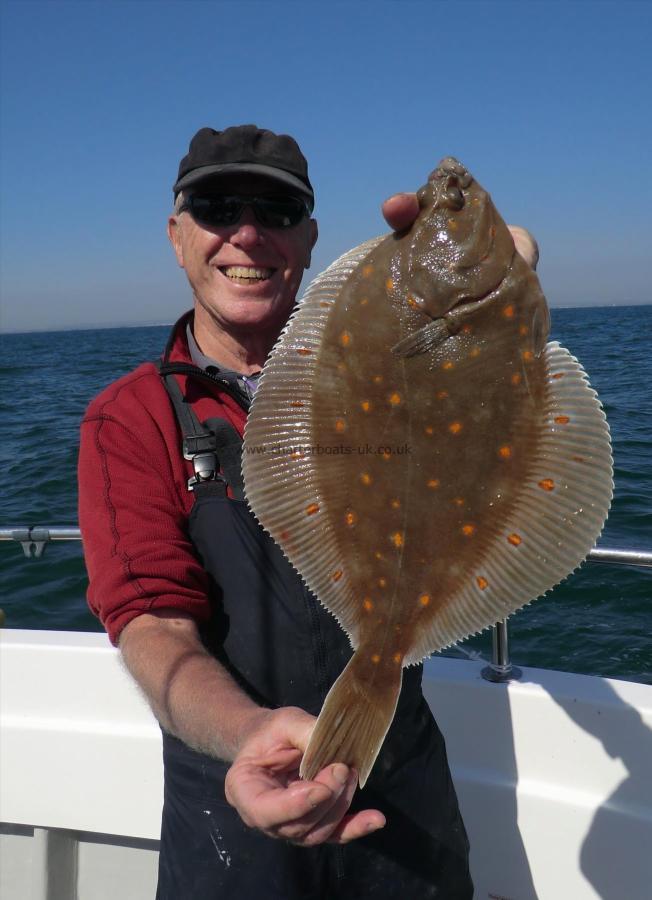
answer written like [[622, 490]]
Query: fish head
[[458, 255]]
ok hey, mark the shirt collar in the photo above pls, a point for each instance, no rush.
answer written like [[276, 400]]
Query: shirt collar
[[246, 383]]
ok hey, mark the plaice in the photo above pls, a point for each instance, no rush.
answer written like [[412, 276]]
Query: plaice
[[425, 460]]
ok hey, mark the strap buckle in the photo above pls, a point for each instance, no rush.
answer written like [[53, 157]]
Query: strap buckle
[[205, 466], [194, 444], [200, 450]]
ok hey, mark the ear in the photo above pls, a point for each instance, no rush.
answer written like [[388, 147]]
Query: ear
[[313, 235], [174, 235]]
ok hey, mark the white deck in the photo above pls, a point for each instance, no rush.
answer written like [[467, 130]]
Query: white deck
[[554, 776]]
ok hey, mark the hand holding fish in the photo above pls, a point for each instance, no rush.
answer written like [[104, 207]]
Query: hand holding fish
[[264, 787]]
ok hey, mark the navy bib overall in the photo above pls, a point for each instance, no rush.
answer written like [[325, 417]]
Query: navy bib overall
[[285, 649]]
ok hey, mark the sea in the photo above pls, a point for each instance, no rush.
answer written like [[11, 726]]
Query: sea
[[597, 622]]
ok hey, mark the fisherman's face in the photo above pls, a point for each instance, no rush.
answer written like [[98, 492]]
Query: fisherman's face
[[245, 276]]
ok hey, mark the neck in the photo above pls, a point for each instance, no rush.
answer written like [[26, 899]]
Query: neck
[[241, 351]]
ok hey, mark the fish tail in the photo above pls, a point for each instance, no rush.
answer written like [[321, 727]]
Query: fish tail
[[355, 717]]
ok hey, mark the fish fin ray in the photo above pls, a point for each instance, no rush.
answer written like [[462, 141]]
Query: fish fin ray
[[555, 521], [427, 338], [354, 720], [279, 422]]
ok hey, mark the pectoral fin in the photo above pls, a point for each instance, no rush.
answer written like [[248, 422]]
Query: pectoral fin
[[427, 338]]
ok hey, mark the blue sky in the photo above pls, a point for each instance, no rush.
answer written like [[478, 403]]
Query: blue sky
[[545, 102]]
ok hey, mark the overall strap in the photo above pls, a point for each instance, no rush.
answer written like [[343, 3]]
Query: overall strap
[[199, 445]]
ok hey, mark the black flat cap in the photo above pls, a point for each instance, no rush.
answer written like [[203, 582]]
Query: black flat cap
[[245, 149]]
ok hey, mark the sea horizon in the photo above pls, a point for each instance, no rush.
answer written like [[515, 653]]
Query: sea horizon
[[107, 326]]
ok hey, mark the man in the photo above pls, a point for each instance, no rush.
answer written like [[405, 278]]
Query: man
[[233, 653]]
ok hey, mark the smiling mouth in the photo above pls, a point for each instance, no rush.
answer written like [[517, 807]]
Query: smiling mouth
[[246, 274]]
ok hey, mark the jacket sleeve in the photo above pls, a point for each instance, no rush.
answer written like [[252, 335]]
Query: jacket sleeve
[[133, 521]]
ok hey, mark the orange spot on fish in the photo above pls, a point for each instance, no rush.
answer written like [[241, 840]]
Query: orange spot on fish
[[547, 484], [448, 365], [395, 399], [350, 518], [303, 351], [523, 330], [455, 427], [424, 599], [285, 535], [340, 425], [492, 231], [379, 555], [389, 284], [366, 271], [578, 459], [562, 420], [367, 604], [385, 455], [559, 375], [312, 509], [433, 482], [297, 403], [429, 429], [345, 338], [365, 405], [378, 379], [514, 539], [397, 658], [508, 311], [296, 454], [527, 355], [396, 539], [382, 582], [412, 302], [516, 378], [458, 501], [468, 530], [505, 452], [482, 582], [337, 575], [442, 395], [467, 329], [365, 478], [375, 658], [475, 352], [364, 301], [395, 503], [325, 305]]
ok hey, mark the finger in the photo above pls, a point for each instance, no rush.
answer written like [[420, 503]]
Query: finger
[[330, 820], [400, 210], [264, 803], [318, 823], [525, 244], [358, 825]]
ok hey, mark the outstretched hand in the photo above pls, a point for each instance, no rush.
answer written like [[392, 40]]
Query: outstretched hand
[[264, 787], [401, 210]]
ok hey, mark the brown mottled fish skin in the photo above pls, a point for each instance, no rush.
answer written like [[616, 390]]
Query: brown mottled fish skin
[[452, 499], [466, 411]]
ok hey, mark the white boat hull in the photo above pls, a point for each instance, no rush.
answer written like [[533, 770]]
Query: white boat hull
[[553, 774]]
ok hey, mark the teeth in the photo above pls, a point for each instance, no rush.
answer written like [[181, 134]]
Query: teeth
[[248, 272]]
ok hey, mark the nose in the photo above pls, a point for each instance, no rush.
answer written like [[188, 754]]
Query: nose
[[247, 232]]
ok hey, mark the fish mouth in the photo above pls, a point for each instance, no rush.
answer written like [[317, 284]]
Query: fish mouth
[[247, 274]]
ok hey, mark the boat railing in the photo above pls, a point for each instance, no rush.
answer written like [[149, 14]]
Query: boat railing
[[35, 538]]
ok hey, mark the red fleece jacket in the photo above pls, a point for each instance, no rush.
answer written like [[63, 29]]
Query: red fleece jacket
[[133, 497]]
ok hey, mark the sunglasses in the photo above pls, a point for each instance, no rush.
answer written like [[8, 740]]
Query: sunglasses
[[218, 210]]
